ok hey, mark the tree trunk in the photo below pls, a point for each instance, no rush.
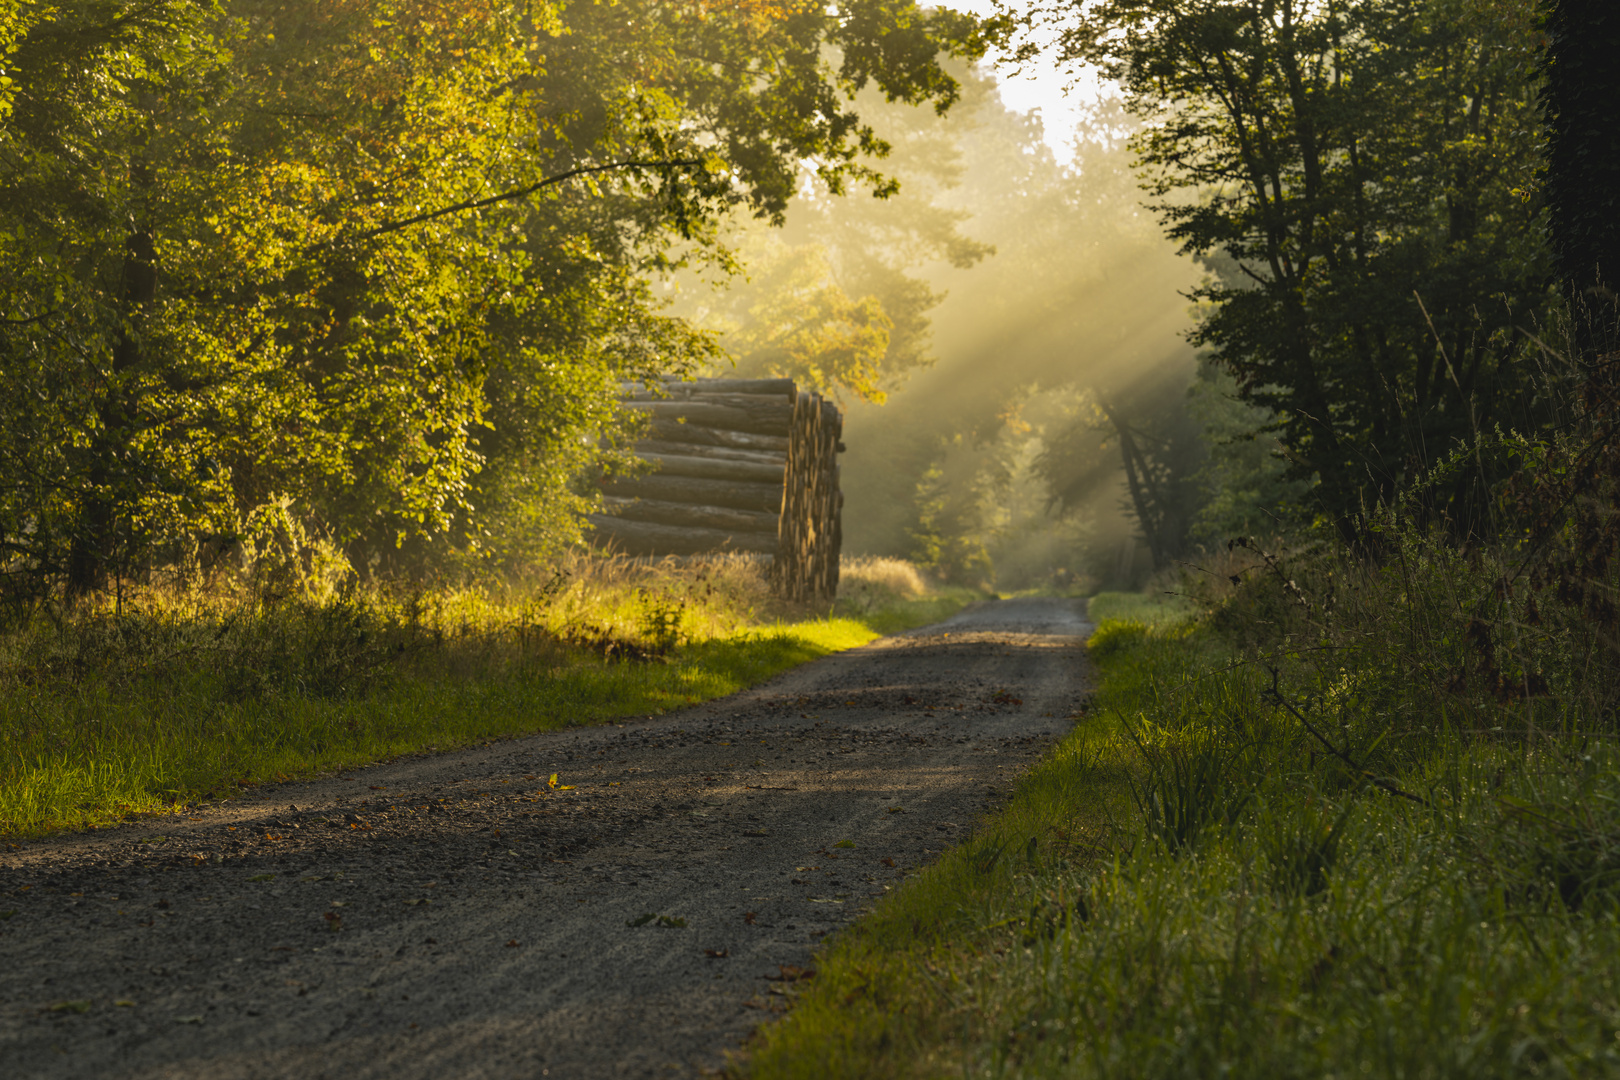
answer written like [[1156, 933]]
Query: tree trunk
[[713, 469], [780, 388], [94, 550], [723, 518], [697, 434], [729, 493], [759, 416], [648, 538]]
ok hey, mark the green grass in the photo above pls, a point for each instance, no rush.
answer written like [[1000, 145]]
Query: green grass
[[898, 615], [1186, 888], [1149, 609], [122, 716]]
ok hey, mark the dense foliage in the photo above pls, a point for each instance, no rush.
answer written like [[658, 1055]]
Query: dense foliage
[[1583, 152], [372, 270], [1355, 175]]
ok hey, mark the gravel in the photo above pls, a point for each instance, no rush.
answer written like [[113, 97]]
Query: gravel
[[454, 915]]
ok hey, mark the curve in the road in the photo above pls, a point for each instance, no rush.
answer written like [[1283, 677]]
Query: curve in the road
[[453, 916]]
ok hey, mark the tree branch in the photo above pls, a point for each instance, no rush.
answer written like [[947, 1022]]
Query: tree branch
[[1393, 789], [521, 193]]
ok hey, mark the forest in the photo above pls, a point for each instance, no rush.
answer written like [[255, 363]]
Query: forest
[[1285, 354]]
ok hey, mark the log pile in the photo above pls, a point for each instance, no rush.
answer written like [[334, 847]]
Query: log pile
[[811, 531], [741, 465]]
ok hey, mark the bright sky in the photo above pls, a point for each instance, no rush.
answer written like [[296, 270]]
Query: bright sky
[[1038, 86]]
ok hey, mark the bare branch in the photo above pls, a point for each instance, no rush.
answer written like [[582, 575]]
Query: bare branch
[[522, 193]]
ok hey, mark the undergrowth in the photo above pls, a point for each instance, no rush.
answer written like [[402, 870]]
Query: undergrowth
[[1343, 817], [158, 697]]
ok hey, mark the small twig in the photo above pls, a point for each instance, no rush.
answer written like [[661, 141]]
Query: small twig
[[1392, 788], [1273, 564]]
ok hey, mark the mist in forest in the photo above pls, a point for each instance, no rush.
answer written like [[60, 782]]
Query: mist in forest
[[987, 331]]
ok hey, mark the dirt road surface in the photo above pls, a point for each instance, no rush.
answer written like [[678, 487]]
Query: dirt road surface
[[455, 916]]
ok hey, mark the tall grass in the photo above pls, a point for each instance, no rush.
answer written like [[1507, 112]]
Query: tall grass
[[891, 594], [130, 704], [1354, 818]]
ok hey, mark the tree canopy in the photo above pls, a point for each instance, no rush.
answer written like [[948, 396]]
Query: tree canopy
[[380, 265]]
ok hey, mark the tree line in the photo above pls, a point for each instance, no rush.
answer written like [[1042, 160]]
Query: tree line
[[1361, 180], [373, 272], [373, 269]]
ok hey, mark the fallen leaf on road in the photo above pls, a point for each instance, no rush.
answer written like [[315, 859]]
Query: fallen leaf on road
[[790, 973], [188, 1019], [756, 832], [672, 922], [750, 916], [512, 944], [717, 954], [886, 861], [82, 1006], [124, 1003], [643, 919], [845, 844]]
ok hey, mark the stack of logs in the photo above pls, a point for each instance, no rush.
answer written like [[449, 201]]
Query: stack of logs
[[740, 465]]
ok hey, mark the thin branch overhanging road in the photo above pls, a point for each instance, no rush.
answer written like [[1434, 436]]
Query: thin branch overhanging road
[[453, 916]]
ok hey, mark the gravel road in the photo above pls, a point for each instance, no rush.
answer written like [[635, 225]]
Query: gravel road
[[454, 916]]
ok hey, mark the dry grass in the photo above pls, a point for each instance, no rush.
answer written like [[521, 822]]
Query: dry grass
[[879, 576]]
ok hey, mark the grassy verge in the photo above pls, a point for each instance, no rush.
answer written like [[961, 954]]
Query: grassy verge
[[1149, 609], [111, 715], [1192, 886]]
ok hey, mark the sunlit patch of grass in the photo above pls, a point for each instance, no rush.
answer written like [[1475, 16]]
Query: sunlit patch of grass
[[891, 594], [116, 715]]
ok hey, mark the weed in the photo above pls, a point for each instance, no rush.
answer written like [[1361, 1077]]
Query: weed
[[1190, 785]]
